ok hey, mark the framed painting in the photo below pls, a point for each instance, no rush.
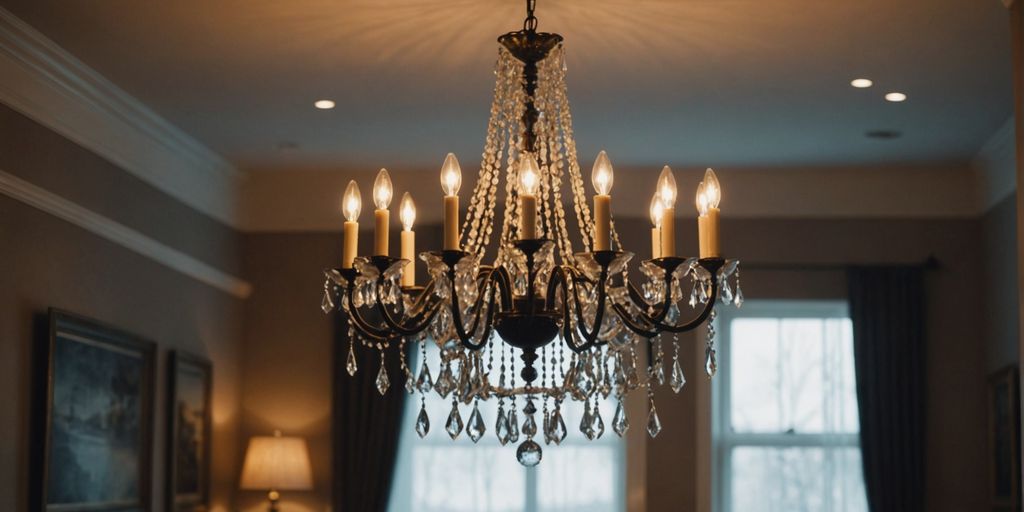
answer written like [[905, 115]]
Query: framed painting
[[95, 430], [1004, 440], [189, 424]]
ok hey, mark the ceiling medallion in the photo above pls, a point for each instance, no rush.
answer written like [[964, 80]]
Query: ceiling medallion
[[538, 296]]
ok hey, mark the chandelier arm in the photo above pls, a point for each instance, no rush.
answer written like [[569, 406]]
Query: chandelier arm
[[419, 321], [460, 330], [602, 296], [365, 328], [704, 314], [632, 325]]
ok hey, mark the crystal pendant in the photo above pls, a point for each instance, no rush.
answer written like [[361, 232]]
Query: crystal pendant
[[454, 425], [558, 430], [738, 298], [587, 422], [445, 383], [501, 427], [529, 453], [620, 422], [659, 371], [410, 385], [476, 427], [422, 422], [424, 383], [653, 422], [710, 362], [597, 423], [529, 426], [727, 295], [350, 364], [513, 425], [326, 305], [678, 380], [382, 379], [547, 428]]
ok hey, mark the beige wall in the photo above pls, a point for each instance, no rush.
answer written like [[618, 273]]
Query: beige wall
[[48, 262], [287, 361]]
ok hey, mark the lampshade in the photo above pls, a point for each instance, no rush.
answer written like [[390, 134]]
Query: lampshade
[[277, 462]]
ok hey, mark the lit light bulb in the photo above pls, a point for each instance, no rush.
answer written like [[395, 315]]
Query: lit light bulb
[[351, 201], [382, 190], [451, 175], [529, 175], [656, 210], [407, 211], [712, 189], [701, 199], [603, 176], [667, 188]]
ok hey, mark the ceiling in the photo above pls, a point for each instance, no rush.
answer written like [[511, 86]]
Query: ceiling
[[740, 83]]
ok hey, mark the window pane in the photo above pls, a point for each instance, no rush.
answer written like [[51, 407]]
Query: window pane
[[769, 479], [459, 478], [580, 478], [792, 375]]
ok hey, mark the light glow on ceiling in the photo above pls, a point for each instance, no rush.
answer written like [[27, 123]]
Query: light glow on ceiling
[[896, 97], [862, 83], [324, 104]]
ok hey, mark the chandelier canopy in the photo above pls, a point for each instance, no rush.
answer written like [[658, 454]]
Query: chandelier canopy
[[538, 295]]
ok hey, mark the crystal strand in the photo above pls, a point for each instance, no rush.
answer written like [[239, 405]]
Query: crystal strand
[[383, 383], [350, 363], [711, 361], [677, 380], [738, 296], [653, 421], [454, 424], [423, 420]]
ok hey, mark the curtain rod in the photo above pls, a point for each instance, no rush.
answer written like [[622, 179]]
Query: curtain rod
[[929, 263]]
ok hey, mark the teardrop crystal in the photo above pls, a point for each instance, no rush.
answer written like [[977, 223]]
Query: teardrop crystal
[[326, 305], [710, 362], [738, 299], [410, 385], [558, 430], [476, 427], [513, 426], [659, 371], [383, 383], [501, 427], [597, 423], [350, 364], [529, 426], [547, 428], [529, 453], [422, 422], [424, 382], [587, 422], [454, 424], [620, 422], [445, 382], [678, 380], [653, 422]]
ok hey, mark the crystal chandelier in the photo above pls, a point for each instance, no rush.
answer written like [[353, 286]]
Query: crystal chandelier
[[538, 295]]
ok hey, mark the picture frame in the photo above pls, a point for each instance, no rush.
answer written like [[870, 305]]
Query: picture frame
[[189, 428], [93, 435], [1004, 439]]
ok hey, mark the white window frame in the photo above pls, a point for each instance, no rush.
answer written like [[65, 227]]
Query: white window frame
[[722, 438]]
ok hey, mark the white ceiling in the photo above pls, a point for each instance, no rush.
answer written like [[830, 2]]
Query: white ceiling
[[740, 83]]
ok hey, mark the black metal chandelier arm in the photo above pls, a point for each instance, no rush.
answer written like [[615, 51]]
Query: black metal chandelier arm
[[696, 322], [602, 296], [631, 324], [466, 337], [365, 328], [412, 325]]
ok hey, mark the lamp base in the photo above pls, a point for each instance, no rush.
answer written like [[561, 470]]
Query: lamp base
[[273, 497]]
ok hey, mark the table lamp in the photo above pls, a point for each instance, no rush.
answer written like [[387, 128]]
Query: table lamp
[[276, 463]]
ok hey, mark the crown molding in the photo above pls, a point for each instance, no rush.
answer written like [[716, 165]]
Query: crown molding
[[51, 86], [126, 237]]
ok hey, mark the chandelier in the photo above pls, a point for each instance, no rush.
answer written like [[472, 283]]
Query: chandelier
[[538, 296]]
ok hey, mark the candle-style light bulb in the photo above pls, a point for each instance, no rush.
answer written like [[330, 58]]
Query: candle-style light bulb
[[712, 189], [451, 175], [701, 199], [667, 188], [603, 176], [351, 202], [529, 175], [382, 190], [656, 210], [407, 211]]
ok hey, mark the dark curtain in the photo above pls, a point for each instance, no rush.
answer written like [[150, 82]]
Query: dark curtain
[[887, 309], [366, 426]]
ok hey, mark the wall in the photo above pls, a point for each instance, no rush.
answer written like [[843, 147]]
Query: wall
[[288, 368], [1001, 328], [49, 262]]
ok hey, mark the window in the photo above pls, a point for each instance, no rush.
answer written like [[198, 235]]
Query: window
[[786, 427], [436, 474]]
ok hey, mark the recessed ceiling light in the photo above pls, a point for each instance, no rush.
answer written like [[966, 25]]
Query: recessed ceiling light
[[896, 97], [862, 83], [324, 104]]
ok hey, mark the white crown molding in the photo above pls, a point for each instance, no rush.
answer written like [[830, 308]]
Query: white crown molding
[[51, 86], [122, 235], [994, 167]]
